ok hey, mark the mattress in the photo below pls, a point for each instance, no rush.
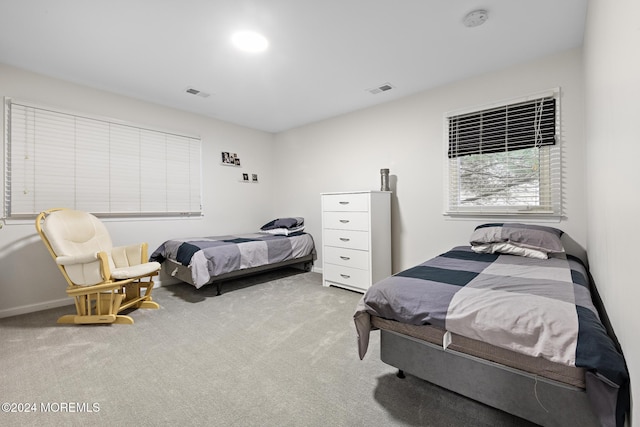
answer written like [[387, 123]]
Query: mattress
[[570, 375]]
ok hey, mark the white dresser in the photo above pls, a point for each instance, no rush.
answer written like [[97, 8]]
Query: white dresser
[[356, 238]]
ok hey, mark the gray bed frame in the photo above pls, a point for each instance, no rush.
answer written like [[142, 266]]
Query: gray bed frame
[[539, 400], [183, 273]]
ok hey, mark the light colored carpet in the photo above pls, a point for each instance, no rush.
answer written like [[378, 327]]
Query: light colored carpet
[[277, 349]]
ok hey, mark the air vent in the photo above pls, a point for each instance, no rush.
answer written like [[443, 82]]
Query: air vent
[[197, 92], [382, 88]]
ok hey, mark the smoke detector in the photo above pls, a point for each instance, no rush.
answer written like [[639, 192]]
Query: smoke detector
[[476, 18]]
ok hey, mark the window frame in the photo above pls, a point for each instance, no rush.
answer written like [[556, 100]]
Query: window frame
[[550, 158]]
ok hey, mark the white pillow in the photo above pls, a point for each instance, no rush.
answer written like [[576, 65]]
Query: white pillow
[[508, 248], [283, 231]]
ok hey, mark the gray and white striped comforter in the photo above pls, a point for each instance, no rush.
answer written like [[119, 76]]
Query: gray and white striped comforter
[[208, 257]]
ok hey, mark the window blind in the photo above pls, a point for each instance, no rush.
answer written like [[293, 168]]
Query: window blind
[[507, 128], [61, 159]]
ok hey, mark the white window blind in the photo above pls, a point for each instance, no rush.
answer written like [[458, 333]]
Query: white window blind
[[61, 159], [505, 159]]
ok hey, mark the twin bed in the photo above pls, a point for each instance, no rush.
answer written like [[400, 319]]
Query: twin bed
[[212, 260], [508, 321]]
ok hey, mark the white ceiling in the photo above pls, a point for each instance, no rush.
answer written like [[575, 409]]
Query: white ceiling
[[323, 58]]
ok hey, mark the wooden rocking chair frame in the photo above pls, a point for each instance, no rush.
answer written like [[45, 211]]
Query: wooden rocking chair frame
[[103, 302]]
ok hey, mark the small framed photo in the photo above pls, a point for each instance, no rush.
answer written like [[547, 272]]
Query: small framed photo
[[254, 177], [230, 159], [245, 177]]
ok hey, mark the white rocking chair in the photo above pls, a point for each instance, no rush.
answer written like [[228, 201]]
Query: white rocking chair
[[103, 280]]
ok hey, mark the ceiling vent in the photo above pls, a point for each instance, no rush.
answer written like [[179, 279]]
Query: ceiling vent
[[197, 92], [382, 88]]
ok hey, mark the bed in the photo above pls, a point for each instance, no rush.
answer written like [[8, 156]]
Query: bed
[[202, 261], [510, 321]]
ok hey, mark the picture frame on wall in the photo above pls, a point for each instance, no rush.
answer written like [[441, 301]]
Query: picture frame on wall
[[230, 159]]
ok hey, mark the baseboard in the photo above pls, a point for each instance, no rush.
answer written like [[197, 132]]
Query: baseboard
[[32, 308], [317, 269]]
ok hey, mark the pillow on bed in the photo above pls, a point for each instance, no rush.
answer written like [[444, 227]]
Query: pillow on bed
[[533, 241], [287, 223], [508, 248], [284, 231]]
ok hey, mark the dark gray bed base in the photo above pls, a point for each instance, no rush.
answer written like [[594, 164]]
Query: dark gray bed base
[[183, 273], [539, 400]]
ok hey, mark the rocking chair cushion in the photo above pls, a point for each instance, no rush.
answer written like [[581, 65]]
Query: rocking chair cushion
[[135, 270]]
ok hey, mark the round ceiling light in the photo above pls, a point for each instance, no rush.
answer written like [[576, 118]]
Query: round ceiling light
[[475, 18], [250, 41]]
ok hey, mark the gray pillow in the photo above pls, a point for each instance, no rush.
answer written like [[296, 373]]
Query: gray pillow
[[283, 223], [528, 236]]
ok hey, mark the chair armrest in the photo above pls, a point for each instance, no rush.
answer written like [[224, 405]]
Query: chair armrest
[[126, 256], [85, 269]]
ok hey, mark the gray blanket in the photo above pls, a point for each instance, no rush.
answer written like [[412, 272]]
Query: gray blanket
[[542, 308], [208, 257]]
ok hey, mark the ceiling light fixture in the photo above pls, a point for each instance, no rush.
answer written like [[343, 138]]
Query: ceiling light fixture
[[250, 41], [476, 18]]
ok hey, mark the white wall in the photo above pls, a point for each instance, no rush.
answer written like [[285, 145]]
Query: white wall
[[612, 82], [406, 136], [29, 279]]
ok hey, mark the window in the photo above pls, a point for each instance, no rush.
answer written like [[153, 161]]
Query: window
[[61, 159], [505, 160]]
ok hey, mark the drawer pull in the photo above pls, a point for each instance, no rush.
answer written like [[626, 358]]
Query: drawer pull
[[345, 258], [344, 221], [345, 239], [344, 203], [345, 276]]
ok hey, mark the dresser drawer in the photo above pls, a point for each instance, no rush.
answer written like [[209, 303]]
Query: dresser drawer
[[346, 257], [346, 220], [347, 239], [345, 202], [347, 276]]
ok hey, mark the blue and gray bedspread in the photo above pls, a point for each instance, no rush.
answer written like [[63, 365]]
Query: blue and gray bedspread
[[207, 257], [542, 308]]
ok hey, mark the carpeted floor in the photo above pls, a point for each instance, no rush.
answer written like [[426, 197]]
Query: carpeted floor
[[277, 349]]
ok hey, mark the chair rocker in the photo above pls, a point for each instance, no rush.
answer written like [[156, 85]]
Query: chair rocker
[[102, 279]]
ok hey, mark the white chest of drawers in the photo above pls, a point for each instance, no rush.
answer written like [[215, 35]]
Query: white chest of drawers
[[356, 238]]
